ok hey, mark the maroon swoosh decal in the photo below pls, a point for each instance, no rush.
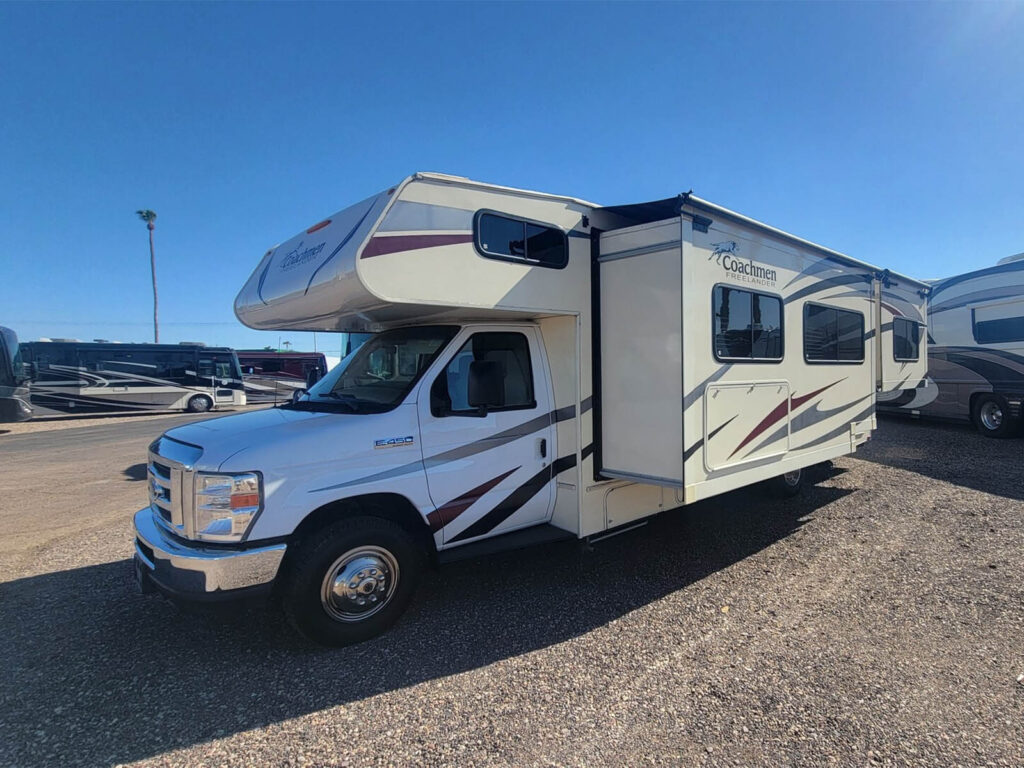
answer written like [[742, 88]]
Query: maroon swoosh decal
[[443, 515], [892, 309], [378, 246], [779, 411]]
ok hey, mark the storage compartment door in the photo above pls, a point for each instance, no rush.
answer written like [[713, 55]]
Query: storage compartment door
[[641, 354]]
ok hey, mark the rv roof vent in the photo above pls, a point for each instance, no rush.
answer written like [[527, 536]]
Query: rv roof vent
[[192, 343], [1008, 259], [68, 341]]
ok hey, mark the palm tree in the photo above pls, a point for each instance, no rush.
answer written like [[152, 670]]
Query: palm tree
[[149, 217]]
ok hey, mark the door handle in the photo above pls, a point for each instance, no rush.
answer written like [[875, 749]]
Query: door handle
[[543, 445]]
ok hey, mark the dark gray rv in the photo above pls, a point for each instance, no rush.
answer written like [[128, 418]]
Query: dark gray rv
[[14, 397], [975, 351], [75, 376]]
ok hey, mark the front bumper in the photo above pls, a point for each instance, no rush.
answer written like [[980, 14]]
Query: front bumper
[[195, 572]]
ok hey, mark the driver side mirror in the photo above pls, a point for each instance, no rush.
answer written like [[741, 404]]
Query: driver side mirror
[[297, 394]]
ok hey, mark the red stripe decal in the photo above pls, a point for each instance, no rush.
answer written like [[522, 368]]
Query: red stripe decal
[[443, 515], [378, 246], [778, 412]]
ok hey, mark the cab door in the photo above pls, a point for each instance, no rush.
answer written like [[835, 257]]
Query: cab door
[[488, 464]]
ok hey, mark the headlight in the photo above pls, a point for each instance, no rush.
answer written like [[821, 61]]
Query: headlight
[[226, 505]]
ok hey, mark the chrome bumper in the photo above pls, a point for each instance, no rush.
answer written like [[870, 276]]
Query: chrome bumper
[[198, 572]]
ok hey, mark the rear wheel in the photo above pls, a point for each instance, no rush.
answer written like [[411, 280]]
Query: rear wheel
[[788, 485], [199, 404], [352, 580], [991, 416]]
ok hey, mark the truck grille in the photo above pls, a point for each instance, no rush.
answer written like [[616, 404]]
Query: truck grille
[[162, 496], [170, 479]]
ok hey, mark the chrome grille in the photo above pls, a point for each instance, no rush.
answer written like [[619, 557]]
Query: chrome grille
[[170, 477]]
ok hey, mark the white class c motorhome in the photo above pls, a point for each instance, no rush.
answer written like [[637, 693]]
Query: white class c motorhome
[[542, 367], [975, 352]]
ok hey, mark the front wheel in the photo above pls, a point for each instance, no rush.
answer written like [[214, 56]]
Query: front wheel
[[199, 404], [352, 580], [786, 486]]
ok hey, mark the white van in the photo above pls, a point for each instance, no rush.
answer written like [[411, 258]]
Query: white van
[[542, 368]]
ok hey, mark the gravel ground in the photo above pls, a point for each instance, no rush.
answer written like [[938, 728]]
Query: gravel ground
[[876, 620]]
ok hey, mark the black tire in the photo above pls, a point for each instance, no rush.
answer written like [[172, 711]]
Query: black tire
[[786, 486], [199, 404], [357, 545], [991, 416]]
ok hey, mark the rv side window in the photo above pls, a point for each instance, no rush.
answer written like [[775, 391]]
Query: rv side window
[[508, 239], [746, 325], [504, 356], [999, 324], [833, 335], [906, 340]]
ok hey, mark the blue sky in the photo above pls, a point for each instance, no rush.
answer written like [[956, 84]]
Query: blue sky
[[892, 132]]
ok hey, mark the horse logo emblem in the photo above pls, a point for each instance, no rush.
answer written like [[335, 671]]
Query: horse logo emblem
[[723, 248]]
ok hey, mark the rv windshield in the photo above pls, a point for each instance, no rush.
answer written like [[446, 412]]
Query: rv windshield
[[377, 376], [12, 371]]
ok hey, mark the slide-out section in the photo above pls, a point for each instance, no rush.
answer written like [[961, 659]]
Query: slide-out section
[[641, 353]]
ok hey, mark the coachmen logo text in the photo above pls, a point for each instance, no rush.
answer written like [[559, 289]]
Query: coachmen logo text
[[298, 256], [744, 270]]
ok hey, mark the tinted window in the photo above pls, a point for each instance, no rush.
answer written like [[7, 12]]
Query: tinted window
[[511, 351], [999, 331], [906, 339], [833, 335], [747, 325], [502, 237]]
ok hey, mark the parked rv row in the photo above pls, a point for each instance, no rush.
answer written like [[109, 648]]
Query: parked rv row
[[975, 352], [80, 377]]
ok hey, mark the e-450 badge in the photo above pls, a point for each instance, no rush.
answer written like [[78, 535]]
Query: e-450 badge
[[394, 442]]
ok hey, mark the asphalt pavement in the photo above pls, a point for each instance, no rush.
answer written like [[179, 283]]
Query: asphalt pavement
[[875, 620]]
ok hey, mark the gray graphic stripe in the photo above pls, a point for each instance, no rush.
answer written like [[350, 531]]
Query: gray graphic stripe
[[824, 285], [342, 244], [989, 294], [696, 446], [844, 427], [409, 216], [464, 451], [698, 391], [824, 264]]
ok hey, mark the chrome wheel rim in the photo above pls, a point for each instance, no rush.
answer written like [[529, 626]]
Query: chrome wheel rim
[[359, 583], [991, 415], [792, 479]]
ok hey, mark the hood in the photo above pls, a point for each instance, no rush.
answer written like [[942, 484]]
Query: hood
[[277, 438]]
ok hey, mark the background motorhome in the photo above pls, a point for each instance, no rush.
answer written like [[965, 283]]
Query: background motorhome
[[975, 353], [14, 394], [76, 376], [542, 367], [274, 377]]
